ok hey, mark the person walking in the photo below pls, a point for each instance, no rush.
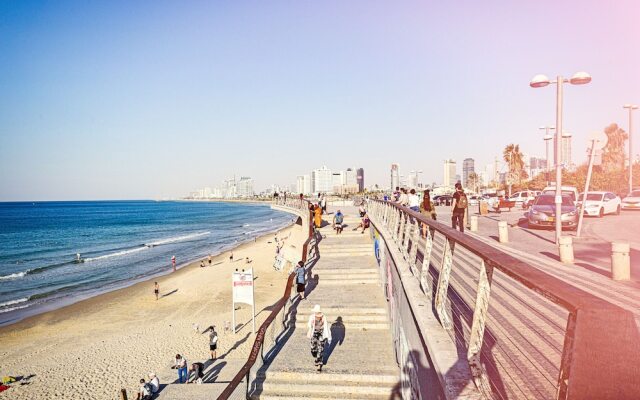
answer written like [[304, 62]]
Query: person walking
[[338, 219], [213, 340], [209, 259], [459, 207], [173, 263], [427, 208], [300, 279], [403, 200], [320, 335], [317, 216], [413, 201], [156, 290], [323, 204], [181, 366]]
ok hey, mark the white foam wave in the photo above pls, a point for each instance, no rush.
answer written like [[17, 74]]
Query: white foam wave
[[177, 239], [116, 254], [14, 276], [10, 302], [4, 310]]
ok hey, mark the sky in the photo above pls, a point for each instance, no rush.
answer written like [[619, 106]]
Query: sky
[[154, 99]]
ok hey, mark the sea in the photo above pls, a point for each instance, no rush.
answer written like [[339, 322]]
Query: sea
[[55, 253]]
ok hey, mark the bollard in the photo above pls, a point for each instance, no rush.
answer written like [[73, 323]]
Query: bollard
[[474, 223], [620, 261], [565, 247], [503, 233]]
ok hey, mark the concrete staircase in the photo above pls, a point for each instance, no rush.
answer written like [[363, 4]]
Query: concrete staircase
[[360, 361]]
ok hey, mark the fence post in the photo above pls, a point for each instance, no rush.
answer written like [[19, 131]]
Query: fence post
[[620, 261], [478, 325], [503, 232], [426, 261], [565, 248], [474, 223], [443, 285]]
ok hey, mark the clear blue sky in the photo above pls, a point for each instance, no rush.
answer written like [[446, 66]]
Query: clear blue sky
[[120, 100]]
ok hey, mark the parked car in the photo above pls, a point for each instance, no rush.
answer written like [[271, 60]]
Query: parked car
[[443, 200], [566, 191], [530, 201], [600, 203], [543, 212], [631, 201], [474, 200]]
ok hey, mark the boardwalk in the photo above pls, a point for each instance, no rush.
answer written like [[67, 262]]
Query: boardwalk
[[359, 363]]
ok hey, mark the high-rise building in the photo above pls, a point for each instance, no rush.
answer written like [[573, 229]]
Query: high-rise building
[[565, 152], [321, 180], [360, 179], [350, 178], [468, 166], [449, 173], [395, 176], [303, 184], [244, 187], [337, 180]]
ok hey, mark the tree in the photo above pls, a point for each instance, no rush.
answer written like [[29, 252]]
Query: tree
[[472, 181], [613, 156], [515, 159]]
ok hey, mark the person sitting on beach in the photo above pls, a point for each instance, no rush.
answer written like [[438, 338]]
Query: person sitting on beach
[[154, 383], [202, 264], [144, 393], [156, 290], [248, 260], [198, 372], [213, 340]]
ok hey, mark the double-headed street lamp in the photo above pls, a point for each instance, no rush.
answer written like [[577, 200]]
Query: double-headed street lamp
[[538, 81], [630, 107], [547, 139]]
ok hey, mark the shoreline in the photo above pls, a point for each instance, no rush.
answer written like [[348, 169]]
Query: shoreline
[[65, 302], [94, 347]]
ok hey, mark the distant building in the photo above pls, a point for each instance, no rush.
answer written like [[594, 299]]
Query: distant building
[[468, 167], [395, 176], [449, 178], [350, 178], [360, 179], [244, 187], [303, 184], [337, 179], [321, 180]]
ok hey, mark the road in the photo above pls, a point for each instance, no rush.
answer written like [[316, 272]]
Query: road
[[592, 250]]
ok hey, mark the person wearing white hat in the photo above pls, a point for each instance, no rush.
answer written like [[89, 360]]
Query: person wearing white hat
[[320, 335]]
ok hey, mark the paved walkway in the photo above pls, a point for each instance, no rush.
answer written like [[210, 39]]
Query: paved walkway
[[360, 362]]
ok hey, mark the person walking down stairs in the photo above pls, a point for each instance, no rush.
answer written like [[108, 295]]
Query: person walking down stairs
[[320, 335]]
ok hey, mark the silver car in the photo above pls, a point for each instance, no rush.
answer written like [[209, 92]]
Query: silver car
[[543, 212]]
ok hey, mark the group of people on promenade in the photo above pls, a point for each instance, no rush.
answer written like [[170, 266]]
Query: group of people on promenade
[[427, 208]]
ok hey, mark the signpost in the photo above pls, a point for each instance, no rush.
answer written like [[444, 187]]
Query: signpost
[[598, 141], [242, 288]]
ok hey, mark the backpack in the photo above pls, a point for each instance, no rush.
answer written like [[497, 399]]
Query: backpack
[[462, 201]]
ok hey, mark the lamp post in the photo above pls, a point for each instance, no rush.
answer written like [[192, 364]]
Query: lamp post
[[547, 139], [538, 81], [630, 107]]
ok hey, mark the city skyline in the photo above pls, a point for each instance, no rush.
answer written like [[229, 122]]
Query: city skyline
[[127, 101]]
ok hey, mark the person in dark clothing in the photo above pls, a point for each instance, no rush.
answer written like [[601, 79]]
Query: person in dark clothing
[[198, 372], [459, 208]]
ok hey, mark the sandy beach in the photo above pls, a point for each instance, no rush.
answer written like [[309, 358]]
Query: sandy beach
[[91, 349]]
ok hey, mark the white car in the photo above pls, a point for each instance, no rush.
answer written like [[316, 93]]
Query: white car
[[522, 197], [566, 191], [598, 204], [632, 201]]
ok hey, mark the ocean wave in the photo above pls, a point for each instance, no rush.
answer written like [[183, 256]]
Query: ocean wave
[[116, 254], [177, 239], [5, 310], [11, 302], [14, 276]]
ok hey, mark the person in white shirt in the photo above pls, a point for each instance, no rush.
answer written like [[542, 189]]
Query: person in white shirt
[[414, 201], [404, 198], [320, 335], [144, 393], [154, 382]]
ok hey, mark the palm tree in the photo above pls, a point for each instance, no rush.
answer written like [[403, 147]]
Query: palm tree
[[613, 156], [515, 159]]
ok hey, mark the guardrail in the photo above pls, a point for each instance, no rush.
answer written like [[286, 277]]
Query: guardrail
[[275, 325], [524, 333]]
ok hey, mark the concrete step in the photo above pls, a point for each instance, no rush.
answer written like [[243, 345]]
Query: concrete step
[[288, 397], [324, 391], [363, 326], [345, 254], [328, 377], [348, 282], [346, 276], [340, 271], [346, 310]]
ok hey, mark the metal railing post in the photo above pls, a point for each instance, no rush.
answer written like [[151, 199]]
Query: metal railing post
[[427, 287], [414, 247], [443, 285], [478, 326]]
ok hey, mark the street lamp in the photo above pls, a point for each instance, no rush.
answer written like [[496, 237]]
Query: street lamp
[[547, 139], [630, 107], [538, 81]]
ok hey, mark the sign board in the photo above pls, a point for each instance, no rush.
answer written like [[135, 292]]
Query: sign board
[[242, 292]]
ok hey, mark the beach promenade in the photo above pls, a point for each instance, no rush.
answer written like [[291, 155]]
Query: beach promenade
[[359, 362]]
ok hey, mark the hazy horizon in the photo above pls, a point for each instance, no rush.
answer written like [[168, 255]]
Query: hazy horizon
[[151, 100]]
